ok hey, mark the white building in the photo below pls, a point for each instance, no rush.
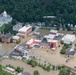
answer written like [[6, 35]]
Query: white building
[[68, 38], [15, 38], [9, 69], [50, 36], [24, 31], [32, 42], [5, 18], [53, 31]]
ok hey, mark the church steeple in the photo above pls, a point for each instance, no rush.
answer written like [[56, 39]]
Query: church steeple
[[4, 13]]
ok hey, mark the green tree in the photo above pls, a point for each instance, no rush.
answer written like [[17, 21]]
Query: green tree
[[0, 39], [64, 72], [36, 72]]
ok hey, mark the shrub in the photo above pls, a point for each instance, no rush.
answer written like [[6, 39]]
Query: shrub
[[59, 67], [36, 72]]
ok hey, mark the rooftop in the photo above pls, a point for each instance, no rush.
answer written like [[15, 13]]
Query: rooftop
[[16, 37], [25, 28], [50, 36], [72, 53], [8, 35], [5, 18], [68, 37], [53, 31], [17, 26]]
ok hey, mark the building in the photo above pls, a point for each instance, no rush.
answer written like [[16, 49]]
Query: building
[[53, 31], [6, 38], [69, 49], [17, 26], [50, 36], [72, 54], [36, 33], [10, 70], [16, 39], [59, 36], [44, 43], [5, 18], [68, 38], [53, 44], [21, 51], [24, 31], [32, 42]]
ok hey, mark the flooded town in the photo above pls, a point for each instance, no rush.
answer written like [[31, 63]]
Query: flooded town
[[37, 37]]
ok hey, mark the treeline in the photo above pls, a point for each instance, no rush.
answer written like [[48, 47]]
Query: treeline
[[34, 10]]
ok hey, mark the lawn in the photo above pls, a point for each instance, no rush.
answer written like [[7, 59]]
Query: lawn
[[44, 31]]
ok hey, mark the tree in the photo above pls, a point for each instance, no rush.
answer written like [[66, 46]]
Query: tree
[[19, 69], [63, 50], [36, 72], [0, 69], [18, 41], [64, 72], [11, 40], [0, 39], [13, 21]]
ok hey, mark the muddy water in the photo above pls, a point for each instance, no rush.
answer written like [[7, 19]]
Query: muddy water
[[5, 48], [27, 68]]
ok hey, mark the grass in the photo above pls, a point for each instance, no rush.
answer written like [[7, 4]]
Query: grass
[[73, 29], [45, 28], [2, 28]]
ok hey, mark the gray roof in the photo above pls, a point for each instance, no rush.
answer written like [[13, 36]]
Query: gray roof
[[72, 53], [26, 73], [7, 35], [44, 40]]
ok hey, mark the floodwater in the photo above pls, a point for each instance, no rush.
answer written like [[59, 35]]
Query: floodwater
[[4, 48], [27, 68]]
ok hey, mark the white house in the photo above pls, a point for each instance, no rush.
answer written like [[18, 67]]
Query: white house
[[68, 38]]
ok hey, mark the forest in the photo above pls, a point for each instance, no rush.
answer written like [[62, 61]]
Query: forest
[[34, 10]]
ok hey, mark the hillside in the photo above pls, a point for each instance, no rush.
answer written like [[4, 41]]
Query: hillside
[[34, 10]]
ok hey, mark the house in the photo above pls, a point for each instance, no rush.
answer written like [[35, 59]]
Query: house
[[6, 38], [15, 39], [17, 26], [53, 31], [25, 73], [24, 31], [68, 38], [71, 54], [5, 18], [69, 49]]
